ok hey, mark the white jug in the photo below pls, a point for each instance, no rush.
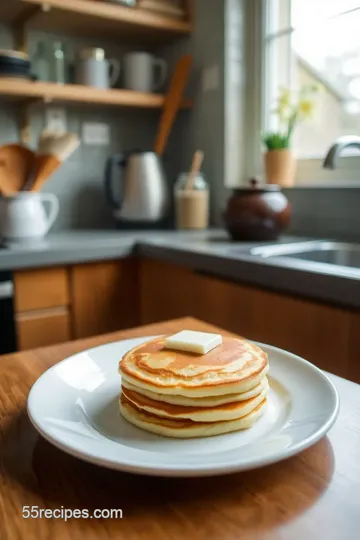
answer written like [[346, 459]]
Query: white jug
[[23, 217]]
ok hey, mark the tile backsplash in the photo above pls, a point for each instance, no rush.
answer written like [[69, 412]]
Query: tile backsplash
[[325, 212], [79, 182]]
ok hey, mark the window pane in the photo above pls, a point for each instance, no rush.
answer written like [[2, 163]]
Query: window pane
[[304, 12], [327, 53], [279, 70]]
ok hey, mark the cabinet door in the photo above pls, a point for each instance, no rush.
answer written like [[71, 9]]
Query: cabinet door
[[41, 289], [104, 297], [167, 291], [41, 328], [227, 305], [318, 332]]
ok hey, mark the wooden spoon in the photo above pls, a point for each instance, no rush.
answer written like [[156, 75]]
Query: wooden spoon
[[53, 150], [172, 102], [16, 162], [195, 168]]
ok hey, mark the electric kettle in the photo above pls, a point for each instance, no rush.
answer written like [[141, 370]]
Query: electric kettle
[[143, 195]]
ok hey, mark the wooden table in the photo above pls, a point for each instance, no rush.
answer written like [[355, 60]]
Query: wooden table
[[313, 495]]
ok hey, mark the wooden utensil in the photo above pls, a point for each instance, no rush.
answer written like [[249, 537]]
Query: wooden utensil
[[54, 149], [172, 102], [16, 162], [6, 188], [195, 168]]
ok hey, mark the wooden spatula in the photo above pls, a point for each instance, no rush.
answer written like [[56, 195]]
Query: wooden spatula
[[53, 150], [16, 162], [172, 102]]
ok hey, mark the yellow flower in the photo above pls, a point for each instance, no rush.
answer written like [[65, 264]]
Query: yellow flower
[[282, 112], [306, 108], [284, 100], [283, 107]]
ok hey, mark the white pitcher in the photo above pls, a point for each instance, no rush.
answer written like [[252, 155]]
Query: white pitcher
[[23, 216]]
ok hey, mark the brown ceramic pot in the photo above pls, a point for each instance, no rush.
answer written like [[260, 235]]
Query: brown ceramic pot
[[257, 213]]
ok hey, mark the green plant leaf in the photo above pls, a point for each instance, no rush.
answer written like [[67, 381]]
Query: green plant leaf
[[275, 141]]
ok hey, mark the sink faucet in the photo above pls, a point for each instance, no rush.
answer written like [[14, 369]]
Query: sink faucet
[[339, 145]]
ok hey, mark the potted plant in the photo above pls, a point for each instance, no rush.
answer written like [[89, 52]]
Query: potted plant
[[279, 160]]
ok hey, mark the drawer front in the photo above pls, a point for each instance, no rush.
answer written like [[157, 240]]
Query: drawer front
[[39, 329], [41, 289]]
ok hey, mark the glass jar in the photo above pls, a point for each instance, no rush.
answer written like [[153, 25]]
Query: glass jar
[[58, 63], [191, 201], [40, 64]]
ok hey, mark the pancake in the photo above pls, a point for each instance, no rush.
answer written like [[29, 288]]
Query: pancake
[[229, 411], [211, 401], [233, 367], [185, 428]]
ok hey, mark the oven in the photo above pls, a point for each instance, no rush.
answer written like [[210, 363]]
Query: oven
[[7, 318]]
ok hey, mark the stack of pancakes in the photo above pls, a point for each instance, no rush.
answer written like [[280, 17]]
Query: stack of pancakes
[[182, 394]]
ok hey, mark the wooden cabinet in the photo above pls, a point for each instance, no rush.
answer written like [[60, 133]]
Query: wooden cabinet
[[42, 299], [42, 328], [354, 348], [167, 291], [104, 297], [316, 331], [59, 304], [41, 288]]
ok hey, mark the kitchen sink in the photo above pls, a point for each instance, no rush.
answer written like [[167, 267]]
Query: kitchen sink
[[318, 251]]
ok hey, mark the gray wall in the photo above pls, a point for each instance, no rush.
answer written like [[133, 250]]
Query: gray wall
[[326, 212], [78, 183], [203, 126]]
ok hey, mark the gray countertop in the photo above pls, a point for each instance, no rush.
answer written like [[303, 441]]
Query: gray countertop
[[207, 251]]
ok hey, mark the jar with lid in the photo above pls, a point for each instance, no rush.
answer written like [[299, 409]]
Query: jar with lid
[[191, 201], [257, 212]]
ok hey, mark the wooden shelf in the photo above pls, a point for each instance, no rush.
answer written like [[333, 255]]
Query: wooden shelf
[[92, 18], [74, 93]]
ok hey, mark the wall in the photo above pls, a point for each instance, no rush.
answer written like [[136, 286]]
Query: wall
[[79, 182], [326, 212], [203, 127]]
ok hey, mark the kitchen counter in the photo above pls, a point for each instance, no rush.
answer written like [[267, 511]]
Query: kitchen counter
[[311, 495], [206, 251]]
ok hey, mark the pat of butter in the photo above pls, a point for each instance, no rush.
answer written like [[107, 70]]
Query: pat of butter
[[197, 342]]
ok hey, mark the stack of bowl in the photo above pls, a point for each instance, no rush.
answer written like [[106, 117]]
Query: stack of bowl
[[14, 64]]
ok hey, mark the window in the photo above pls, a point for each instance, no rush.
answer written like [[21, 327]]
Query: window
[[313, 42]]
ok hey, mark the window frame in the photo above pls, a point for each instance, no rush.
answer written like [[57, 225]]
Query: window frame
[[310, 172]]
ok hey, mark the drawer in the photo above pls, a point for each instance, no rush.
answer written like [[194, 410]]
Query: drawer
[[41, 289], [42, 328]]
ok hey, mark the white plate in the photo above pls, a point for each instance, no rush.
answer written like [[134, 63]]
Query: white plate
[[74, 405]]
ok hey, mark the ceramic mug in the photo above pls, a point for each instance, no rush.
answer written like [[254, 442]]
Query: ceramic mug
[[139, 72], [23, 216], [93, 69]]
